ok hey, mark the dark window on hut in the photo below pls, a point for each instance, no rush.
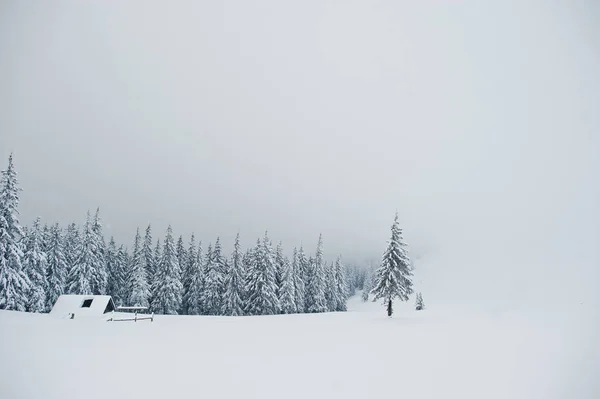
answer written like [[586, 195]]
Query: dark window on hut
[[110, 306], [86, 303]]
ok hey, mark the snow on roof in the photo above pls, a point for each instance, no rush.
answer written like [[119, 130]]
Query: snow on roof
[[82, 306]]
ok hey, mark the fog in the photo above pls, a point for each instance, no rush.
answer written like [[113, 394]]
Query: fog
[[477, 121]]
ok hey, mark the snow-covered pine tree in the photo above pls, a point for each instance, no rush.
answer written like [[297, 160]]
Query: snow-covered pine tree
[[188, 266], [287, 293], [341, 286], [213, 283], [158, 251], [168, 288], [14, 283], [35, 266], [117, 264], [122, 279], [222, 268], [300, 279], [269, 261], [356, 277], [202, 280], [368, 282], [309, 271], [156, 264], [393, 278], [298, 283], [24, 235], [85, 268], [193, 292], [247, 257], [182, 262], [99, 273], [366, 277], [365, 296], [316, 282], [350, 281], [71, 246], [148, 256], [260, 283], [234, 283], [279, 259], [330, 287], [46, 237], [57, 266], [137, 286], [181, 256], [419, 305], [247, 266], [279, 269], [110, 256]]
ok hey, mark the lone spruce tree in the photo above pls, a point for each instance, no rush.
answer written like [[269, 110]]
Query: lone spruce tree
[[393, 278]]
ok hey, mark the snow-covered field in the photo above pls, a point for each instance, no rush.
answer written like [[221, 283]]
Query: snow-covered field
[[358, 354]]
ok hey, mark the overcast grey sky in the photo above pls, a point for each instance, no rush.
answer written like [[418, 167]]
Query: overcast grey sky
[[477, 120]]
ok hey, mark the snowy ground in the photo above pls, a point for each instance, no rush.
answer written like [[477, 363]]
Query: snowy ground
[[359, 354]]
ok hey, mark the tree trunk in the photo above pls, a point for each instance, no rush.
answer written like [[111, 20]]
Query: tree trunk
[[389, 308]]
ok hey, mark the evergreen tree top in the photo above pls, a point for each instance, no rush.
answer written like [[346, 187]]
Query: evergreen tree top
[[236, 244], [97, 222], [193, 247], [319, 252], [217, 250], [9, 200], [148, 235], [137, 237]]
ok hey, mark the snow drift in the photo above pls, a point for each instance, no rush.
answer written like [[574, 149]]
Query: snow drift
[[358, 354]]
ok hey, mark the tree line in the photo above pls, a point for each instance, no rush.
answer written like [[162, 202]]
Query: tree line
[[40, 263]]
